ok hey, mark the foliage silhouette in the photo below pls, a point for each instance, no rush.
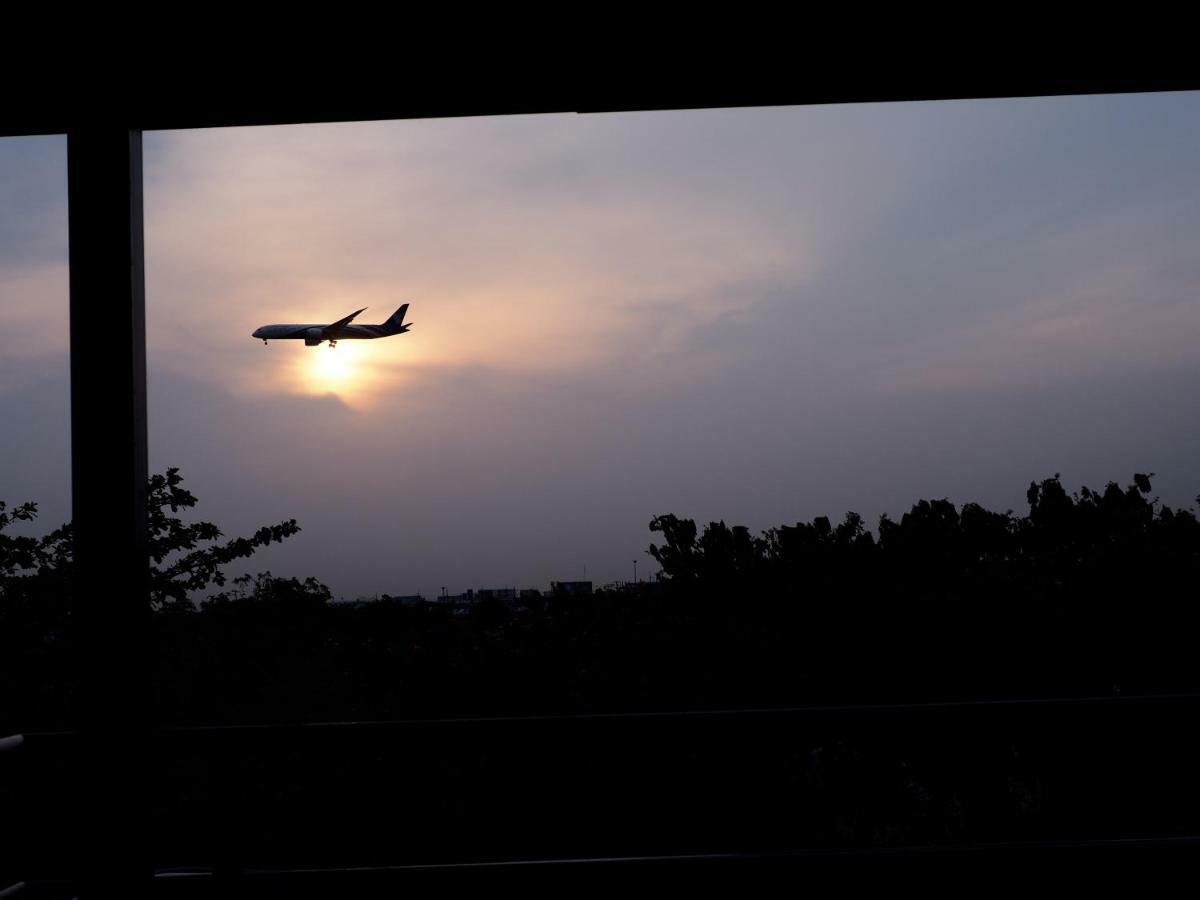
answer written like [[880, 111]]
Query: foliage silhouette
[[179, 566], [173, 579], [1086, 592], [36, 581], [1091, 593]]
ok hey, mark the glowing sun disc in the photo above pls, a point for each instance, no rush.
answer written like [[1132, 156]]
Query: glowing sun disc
[[330, 369]]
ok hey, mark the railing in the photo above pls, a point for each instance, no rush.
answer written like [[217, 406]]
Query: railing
[[683, 788], [11, 743]]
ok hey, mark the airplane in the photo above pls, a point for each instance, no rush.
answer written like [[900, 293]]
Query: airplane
[[338, 331]]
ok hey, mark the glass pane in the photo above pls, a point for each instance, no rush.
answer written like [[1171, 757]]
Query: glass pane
[[957, 320], [35, 461]]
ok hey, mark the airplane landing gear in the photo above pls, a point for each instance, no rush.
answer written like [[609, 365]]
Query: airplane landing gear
[[332, 344], [264, 342]]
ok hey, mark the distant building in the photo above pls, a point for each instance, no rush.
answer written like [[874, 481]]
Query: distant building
[[457, 602], [404, 599], [496, 594], [571, 588]]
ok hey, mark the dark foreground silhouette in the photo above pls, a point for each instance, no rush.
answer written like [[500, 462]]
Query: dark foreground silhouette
[[1089, 595], [1086, 594]]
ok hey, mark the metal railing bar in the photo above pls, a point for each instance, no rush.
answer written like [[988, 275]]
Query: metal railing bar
[[735, 856], [12, 742], [738, 712]]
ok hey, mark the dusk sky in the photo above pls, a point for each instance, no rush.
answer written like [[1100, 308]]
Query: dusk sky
[[756, 315]]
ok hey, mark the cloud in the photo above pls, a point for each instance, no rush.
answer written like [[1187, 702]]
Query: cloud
[[501, 268], [33, 252], [35, 457], [759, 315], [33, 203], [1120, 318]]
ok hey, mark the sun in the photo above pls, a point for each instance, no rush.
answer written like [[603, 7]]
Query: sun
[[354, 371], [331, 370]]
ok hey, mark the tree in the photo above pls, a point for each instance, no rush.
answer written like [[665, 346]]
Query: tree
[[678, 556], [184, 558], [195, 568]]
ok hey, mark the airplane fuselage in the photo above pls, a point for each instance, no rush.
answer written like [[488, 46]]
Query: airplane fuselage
[[323, 332], [314, 333]]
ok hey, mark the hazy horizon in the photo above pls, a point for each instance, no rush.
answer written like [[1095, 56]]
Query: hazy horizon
[[756, 315]]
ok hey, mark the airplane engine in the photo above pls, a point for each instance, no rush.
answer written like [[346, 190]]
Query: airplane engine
[[312, 337]]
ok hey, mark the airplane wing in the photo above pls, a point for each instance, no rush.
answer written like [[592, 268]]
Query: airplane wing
[[346, 321]]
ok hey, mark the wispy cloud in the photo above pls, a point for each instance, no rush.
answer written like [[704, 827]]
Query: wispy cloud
[[758, 314], [502, 269]]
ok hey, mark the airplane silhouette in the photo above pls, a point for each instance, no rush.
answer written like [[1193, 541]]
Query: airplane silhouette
[[338, 331]]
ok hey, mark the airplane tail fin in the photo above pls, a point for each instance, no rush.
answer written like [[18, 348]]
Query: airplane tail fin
[[395, 322]]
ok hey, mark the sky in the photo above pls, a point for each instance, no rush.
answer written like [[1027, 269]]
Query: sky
[[754, 315]]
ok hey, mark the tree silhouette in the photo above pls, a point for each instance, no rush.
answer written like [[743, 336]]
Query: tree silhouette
[[677, 557], [37, 584], [1086, 593], [180, 566], [184, 557]]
